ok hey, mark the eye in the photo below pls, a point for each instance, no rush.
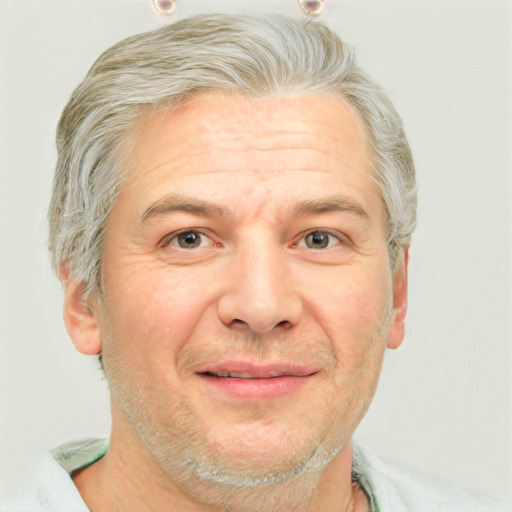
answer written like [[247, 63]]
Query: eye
[[189, 239], [319, 240]]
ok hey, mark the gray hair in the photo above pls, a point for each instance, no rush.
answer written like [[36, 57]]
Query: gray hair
[[242, 55]]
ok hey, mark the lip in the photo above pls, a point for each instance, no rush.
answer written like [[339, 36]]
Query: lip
[[260, 370], [262, 381]]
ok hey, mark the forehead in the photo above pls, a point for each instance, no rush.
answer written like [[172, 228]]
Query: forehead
[[259, 122], [218, 120], [286, 146]]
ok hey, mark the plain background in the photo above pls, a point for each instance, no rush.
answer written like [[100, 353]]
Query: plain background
[[444, 401]]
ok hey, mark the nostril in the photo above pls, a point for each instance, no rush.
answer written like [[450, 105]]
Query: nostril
[[248, 308], [243, 325], [237, 323]]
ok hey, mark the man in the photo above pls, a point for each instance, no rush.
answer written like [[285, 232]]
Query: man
[[232, 210]]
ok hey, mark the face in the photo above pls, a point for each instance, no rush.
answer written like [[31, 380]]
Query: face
[[248, 297]]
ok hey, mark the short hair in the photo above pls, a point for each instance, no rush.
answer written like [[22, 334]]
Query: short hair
[[241, 55]]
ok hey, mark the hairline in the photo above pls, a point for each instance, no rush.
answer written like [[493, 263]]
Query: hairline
[[121, 157], [357, 90]]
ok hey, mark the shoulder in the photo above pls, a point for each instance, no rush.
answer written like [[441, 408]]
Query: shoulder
[[48, 487], [397, 487]]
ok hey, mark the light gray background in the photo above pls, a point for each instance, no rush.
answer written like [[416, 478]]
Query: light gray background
[[444, 402]]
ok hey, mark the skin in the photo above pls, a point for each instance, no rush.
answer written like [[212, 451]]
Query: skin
[[249, 181]]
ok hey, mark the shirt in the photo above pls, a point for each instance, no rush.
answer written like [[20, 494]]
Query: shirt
[[391, 487]]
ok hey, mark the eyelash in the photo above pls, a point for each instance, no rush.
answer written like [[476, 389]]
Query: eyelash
[[168, 239], [329, 234]]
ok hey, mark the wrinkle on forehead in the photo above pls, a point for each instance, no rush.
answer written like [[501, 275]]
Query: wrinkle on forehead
[[269, 142], [242, 134], [212, 123], [265, 129]]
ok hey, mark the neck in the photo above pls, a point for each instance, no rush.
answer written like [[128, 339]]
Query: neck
[[129, 479]]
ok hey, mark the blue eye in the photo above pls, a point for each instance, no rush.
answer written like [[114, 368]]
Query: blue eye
[[318, 239]]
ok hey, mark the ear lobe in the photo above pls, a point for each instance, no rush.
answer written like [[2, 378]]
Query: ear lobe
[[80, 318], [400, 285]]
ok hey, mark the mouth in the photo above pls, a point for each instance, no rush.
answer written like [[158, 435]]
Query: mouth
[[247, 375], [249, 381]]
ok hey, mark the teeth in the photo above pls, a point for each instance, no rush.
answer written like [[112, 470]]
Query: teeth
[[233, 375], [245, 375], [241, 375]]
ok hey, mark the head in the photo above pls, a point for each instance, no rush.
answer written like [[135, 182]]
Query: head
[[245, 56], [232, 208]]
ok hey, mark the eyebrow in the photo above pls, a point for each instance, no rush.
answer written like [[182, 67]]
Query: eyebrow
[[331, 204], [177, 203]]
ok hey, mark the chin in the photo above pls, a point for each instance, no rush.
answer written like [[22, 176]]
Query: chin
[[252, 481], [250, 456], [252, 466]]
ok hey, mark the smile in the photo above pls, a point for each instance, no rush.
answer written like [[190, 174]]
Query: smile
[[249, 381], [247, 375]]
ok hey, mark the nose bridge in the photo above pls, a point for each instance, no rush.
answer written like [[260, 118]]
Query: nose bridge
[[263, 275], [261, 293]]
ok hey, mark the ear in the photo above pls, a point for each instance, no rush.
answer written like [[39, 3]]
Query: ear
[[80, 318], [397, 328]]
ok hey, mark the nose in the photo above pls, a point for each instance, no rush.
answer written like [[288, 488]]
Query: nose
[[260, 293]]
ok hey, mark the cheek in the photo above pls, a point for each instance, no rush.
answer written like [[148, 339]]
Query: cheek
[[352, 306], [353, 314], [152, 313]]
